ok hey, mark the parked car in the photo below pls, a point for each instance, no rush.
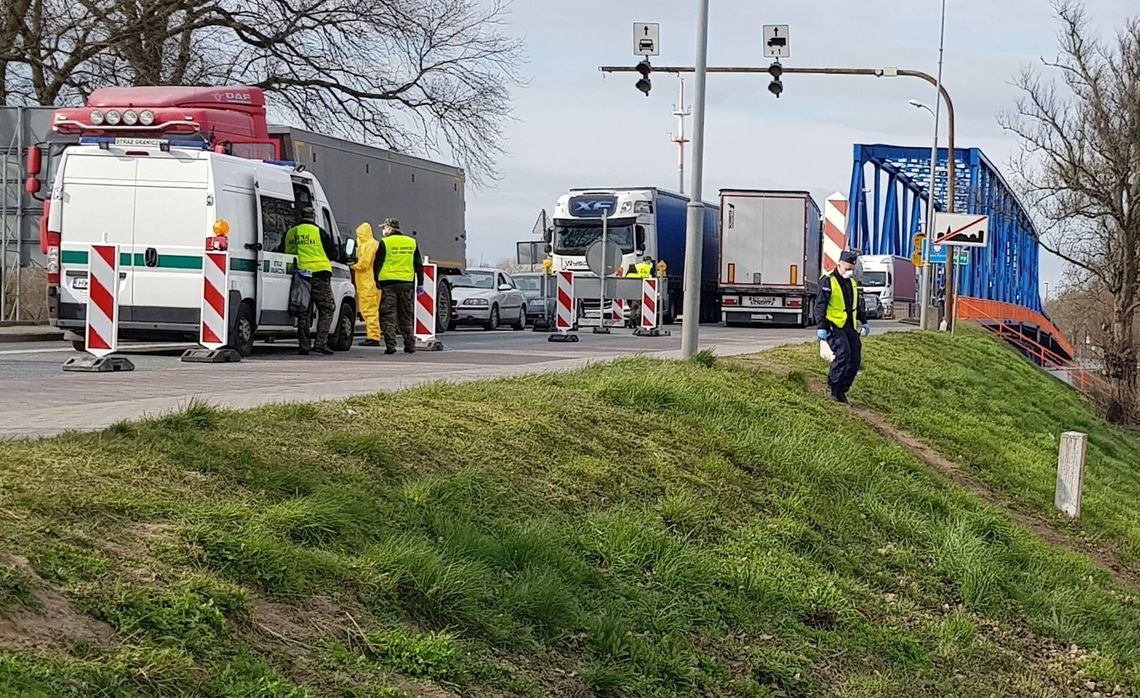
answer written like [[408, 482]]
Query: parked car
[[539, 306], [486, 297], [872, 306]]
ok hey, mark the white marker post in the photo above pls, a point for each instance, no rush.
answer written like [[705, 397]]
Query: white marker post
[[1071, 473]]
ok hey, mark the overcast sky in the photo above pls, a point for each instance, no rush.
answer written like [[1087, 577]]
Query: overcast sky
[[576, 128]]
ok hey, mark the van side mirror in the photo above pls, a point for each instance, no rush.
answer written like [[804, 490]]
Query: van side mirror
[[349, 250], [32, 186]]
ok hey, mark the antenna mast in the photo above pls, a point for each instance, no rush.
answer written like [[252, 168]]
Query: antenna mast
[[680, 111]]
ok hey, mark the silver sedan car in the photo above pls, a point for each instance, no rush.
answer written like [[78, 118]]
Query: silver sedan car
[[487, 297]]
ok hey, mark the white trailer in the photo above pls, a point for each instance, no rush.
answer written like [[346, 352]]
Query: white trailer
[[769, 257]]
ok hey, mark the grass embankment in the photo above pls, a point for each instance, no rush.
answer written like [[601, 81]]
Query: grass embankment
[[1000, 419], [511, 538]]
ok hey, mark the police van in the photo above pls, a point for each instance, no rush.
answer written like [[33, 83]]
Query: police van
[[160, 199]]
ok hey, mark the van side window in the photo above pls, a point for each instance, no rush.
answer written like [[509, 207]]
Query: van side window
[[277, 217]]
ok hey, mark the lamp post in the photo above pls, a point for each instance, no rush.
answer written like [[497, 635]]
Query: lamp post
[[924, 293], [694, 228]]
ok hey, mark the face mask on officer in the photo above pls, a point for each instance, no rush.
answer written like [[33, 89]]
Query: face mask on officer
[[847, 273]]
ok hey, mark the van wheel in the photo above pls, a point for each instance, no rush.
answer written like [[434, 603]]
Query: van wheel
[[244, 330], [345, 328]]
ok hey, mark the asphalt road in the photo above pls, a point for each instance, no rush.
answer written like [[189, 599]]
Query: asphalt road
[[41, 400]]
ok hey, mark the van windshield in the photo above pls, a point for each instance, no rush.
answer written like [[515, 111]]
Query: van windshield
[[575, 237], [874, 278]]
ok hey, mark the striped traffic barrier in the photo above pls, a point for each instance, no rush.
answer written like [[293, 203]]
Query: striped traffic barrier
[[214, 328], [426, 305], [834, 231], [650, 305], [214, 323], [101, 330], [617, 312], [564, 308]]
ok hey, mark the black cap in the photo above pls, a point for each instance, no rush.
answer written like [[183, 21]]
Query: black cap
[[849, 256]]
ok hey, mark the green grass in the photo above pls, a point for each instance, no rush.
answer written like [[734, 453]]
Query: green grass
[[644, 529], [1001, 420]]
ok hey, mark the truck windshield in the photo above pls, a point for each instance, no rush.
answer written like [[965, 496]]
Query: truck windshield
[[874, 278], [574, 237]]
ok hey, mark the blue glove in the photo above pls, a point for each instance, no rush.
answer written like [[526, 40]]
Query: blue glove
[[822, 334], [419, 290], [866, 330]]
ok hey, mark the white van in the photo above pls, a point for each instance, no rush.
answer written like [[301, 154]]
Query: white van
[[158, 200]]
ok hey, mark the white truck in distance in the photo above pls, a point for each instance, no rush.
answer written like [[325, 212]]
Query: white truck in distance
[[893, 279], [769, 257]]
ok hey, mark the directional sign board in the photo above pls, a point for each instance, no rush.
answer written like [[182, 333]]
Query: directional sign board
[[961, 229], [646, 39], [776, 41]]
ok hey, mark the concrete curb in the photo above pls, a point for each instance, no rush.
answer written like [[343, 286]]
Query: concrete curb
[[14, 335]]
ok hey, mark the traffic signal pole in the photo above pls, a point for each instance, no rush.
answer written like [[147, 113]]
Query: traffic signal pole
[[695, 225], [692, 249]]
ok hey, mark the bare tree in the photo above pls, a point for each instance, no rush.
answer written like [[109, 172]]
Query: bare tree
[[431, 77], [1079, 167]]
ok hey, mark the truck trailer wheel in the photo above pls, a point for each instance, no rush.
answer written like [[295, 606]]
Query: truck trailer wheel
[[245, 327], [443, 308], [345, 328]]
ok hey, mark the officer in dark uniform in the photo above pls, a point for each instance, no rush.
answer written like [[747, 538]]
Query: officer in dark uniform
[[842, 323]]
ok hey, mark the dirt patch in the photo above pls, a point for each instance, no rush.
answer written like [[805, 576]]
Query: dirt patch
[[55, 623], [1038, 524]]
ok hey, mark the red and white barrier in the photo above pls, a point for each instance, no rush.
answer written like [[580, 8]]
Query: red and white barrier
[[426, 306], [649, 304], [102, 335], [564, 315], [617, 312], [834, 230], [214, 331]]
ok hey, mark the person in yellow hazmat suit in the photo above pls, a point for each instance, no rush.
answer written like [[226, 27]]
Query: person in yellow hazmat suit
[[367, 293]]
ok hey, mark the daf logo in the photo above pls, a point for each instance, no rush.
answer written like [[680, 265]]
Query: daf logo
[[233, 97], [592, 206]]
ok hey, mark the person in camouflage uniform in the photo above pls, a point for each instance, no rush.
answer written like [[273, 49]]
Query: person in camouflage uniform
[[400, 276]]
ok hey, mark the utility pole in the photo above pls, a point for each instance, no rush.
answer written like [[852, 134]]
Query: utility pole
[[695, 227], [681, 112]]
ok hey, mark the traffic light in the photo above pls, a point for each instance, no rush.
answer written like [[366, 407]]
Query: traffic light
[[644, 84], [776, 70]]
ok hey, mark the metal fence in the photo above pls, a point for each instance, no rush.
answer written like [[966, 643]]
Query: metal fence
[[21, 263]]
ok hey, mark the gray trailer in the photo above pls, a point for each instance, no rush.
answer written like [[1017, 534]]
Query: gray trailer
[[366, 184], [769, 257]]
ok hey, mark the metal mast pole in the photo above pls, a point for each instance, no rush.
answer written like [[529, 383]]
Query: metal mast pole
[[694, 230], [681, 112]]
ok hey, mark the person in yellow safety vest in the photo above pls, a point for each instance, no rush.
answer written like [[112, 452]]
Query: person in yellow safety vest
[[841, 322], [367, 294], [314, 248], [400, 276], [642, 269]]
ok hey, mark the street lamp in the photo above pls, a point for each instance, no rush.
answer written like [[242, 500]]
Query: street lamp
[[694, 227], [924, 292]]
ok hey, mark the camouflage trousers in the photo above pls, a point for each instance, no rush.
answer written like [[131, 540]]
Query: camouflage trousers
[[325, 305], [398, 313]]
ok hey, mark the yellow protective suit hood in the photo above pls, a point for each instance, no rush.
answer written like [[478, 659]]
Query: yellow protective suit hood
[[368, 296]]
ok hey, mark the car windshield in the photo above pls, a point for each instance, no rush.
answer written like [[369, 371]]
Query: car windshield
[[574, 237], [874, 278], [474, 279], [528, 283]]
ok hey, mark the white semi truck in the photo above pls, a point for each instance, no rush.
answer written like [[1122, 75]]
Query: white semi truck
[[769, 257], [893, 279]]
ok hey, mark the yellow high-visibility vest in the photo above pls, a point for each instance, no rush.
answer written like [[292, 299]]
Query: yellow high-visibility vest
[[837, 310], [399, 258]]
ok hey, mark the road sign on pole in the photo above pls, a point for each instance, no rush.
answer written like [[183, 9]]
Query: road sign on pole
[[937, 254], [961, 229], [776, 41], [646, 39]]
